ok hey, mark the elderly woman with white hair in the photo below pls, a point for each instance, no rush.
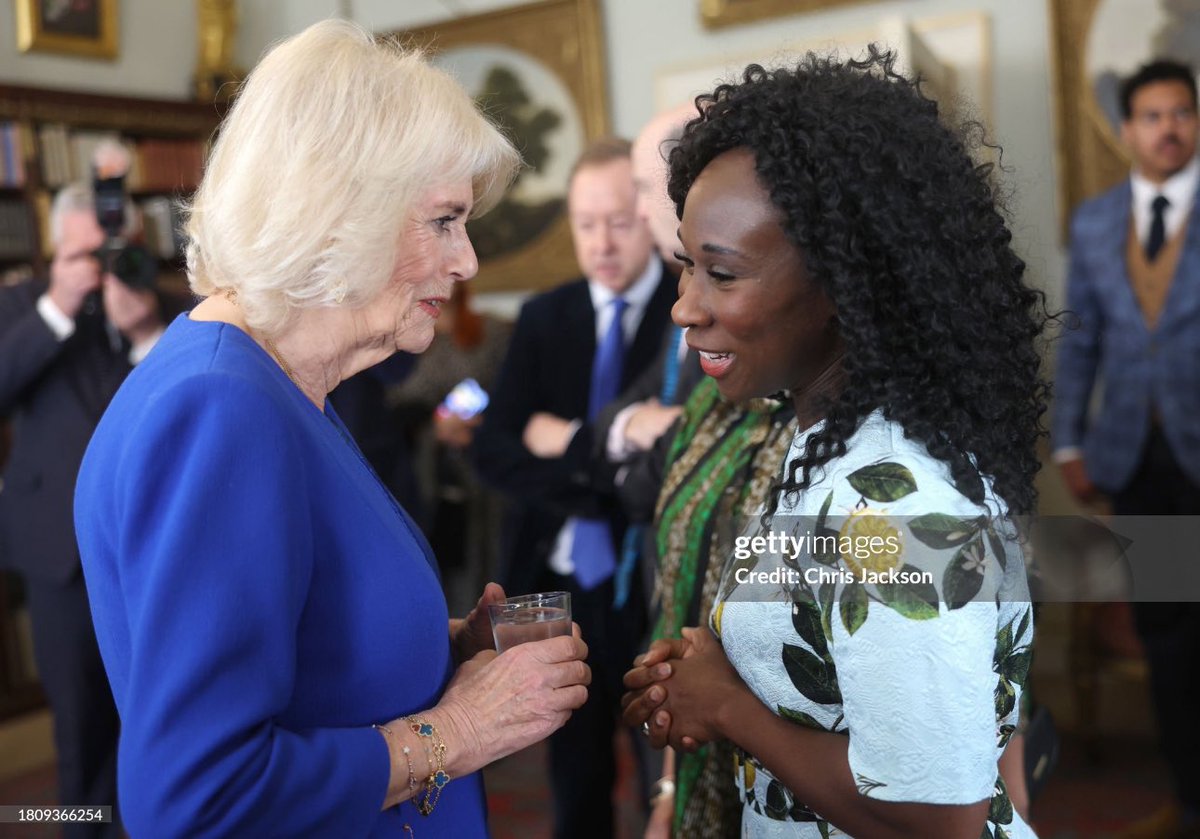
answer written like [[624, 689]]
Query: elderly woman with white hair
[[271, 620]]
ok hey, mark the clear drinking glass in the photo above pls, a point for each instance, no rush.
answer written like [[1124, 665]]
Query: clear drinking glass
[[530, 617]]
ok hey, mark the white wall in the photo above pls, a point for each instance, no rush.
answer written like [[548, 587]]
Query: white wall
[[157, 54], [644, 39], [668, 34]]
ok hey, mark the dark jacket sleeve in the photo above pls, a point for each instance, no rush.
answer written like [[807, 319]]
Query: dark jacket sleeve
[[638, 483], [646, 386], [564, 485], [27, 345]]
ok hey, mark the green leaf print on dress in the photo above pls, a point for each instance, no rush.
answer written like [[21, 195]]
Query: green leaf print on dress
[[963, 577], [940, 531], [866, 785], [836, 629], [1011, 664], [915, 600], [814, 677], [806, 620], [854, 607], [826, 551], [884, 481]]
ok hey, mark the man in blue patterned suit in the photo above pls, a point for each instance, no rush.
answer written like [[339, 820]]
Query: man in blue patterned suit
[[1134, 283]]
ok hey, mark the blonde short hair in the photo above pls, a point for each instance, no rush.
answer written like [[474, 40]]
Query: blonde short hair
[[331, 139]]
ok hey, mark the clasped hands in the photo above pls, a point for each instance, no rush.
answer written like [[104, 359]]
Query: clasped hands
[[680, 691]]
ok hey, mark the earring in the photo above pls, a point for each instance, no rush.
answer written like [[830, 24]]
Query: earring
[[339, 292]]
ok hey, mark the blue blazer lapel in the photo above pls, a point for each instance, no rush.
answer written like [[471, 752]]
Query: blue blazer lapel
[[1112, 243], [1184, 294]]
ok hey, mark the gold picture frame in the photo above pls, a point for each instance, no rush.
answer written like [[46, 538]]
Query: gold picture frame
[[1095, 45], [1090, 157], [86, 29], [539, 71], [715, 14]]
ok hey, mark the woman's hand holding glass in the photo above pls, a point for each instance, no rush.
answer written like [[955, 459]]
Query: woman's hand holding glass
[[498, 704], [679, 691]]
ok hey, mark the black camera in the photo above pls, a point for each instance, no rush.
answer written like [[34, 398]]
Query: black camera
[[132, 264]]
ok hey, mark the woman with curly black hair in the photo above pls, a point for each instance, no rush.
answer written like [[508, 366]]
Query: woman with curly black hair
[[841, 244]]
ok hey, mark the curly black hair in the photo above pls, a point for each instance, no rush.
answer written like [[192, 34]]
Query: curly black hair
[[903, 231]]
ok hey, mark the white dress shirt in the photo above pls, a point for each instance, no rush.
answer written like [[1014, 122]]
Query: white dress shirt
[[1179, 189], [63, 328]]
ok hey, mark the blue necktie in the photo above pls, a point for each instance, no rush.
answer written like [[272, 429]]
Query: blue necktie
[[592, 550]]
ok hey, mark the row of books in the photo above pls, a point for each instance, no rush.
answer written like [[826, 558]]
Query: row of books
[[156, 165], [13, 150], [16, 231], [162, 223]]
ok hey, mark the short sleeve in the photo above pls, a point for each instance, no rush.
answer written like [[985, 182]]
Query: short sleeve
[[913, 644]]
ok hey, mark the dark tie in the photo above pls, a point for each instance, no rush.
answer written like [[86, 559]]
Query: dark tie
[[1158, 228], [592, 549]]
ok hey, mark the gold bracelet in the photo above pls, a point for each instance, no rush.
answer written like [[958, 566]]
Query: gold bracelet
[[438, 776], [407, 751], [412, 778]]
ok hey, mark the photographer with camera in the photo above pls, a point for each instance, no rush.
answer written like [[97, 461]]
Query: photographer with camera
[[65, 347]]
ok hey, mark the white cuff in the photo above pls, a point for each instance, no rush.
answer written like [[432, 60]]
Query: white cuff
[[573, 428], [140, 350], [62, 326], [1067, 454], [616, 447]]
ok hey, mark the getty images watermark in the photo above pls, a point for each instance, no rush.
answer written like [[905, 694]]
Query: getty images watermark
[[852, 550], [953, 560]]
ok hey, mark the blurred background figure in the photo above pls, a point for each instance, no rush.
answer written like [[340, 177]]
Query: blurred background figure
[[573, 349], [66, 345], [459, 515], [1134, 286]]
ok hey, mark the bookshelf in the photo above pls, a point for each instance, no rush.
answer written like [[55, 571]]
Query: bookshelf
[[46, 140]]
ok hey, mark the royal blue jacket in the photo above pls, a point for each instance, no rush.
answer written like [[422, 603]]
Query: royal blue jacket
[[260, 600]]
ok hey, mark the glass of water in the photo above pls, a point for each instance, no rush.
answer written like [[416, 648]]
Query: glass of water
[[530, 617]]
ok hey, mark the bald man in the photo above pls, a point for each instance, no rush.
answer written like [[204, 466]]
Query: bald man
[[650, 172], [631, 426]]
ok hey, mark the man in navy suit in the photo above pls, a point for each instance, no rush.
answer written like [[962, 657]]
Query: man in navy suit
[[1134, 283], [65, 348], [565, 529]]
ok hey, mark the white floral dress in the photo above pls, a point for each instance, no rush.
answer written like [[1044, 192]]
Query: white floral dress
[[912, 639]]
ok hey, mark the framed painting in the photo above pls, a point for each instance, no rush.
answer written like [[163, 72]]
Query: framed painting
[[1096, 44], [85, 28], [538, 70], [718, 13]]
